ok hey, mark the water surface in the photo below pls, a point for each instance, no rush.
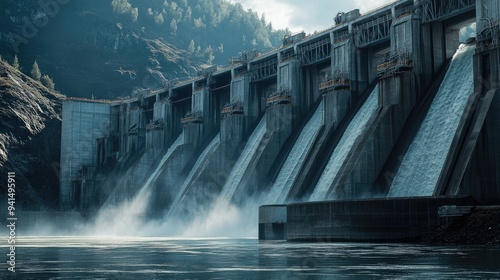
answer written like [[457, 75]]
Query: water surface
[[171, 258]]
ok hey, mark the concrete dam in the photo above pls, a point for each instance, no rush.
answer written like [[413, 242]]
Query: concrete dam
[[363, 131]]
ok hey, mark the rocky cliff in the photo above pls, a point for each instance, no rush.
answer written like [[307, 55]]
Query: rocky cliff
[[30, 137]]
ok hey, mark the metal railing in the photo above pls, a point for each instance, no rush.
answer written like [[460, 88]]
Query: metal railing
[[264, 69], [235, 108], [155, 125], [339, 79], [431, 10], [489, 37], [316, 51], [195, 117], [374, 30], [393, 62], [280, 97]]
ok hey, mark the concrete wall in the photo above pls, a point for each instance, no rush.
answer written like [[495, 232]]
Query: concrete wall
[[482, 176], [272, 222], [336, 105], [406, 219], [82, 123]]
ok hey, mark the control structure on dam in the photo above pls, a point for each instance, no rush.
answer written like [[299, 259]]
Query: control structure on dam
[[388, 104]]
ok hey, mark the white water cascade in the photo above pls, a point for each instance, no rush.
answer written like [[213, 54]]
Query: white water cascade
[[339, 155], [295, 159], [424, 161], [167, 155], [200, 164], [243, 161]]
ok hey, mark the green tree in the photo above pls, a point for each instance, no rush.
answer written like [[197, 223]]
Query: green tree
[[188, 15], [191, 47], [159, 19], [15, 63], [122, 7], [209, 54], [198, 23], [35, 72], [134, 14], [173, 6], [173, 26], [48, 82]]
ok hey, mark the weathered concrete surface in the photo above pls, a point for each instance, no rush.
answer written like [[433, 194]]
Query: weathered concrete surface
[[372, 149], [272, 222], [279, 128], [402, 219]]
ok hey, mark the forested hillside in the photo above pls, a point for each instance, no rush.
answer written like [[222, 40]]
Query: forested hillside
[[112, 48]]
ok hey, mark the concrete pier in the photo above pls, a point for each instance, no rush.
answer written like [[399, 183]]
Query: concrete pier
[[386, 220]]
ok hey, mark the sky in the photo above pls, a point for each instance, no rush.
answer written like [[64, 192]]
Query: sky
[[306, 15]]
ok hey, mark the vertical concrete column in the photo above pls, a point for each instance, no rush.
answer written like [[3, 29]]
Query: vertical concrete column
[[83, 122], [195, 130], [171, 121], [289, 79], [233, 116], [336, 101], [335, 106], [438, 45], [251, 105]]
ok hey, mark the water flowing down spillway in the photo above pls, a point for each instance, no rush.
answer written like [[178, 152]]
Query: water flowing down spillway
[[159, 167], [201, 162], [424, 161], [295, 159], [243, 161], [339, 155]]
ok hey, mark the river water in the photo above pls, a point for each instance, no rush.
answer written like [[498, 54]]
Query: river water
[[171, 258]]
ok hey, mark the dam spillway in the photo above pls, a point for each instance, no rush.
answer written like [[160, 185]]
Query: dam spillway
[[341, 152], [243, 162], [332, 116], [422, 164], [289, 171]]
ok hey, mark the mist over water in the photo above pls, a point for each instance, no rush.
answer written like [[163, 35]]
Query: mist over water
[[220, 219]]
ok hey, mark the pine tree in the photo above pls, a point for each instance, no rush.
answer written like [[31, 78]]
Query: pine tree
[[173, 26], [35, 72], [48, 82], [15, 63], [159, 18], [191, 47]]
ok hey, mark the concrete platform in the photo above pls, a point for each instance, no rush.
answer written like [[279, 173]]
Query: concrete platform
[[373, 220]]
